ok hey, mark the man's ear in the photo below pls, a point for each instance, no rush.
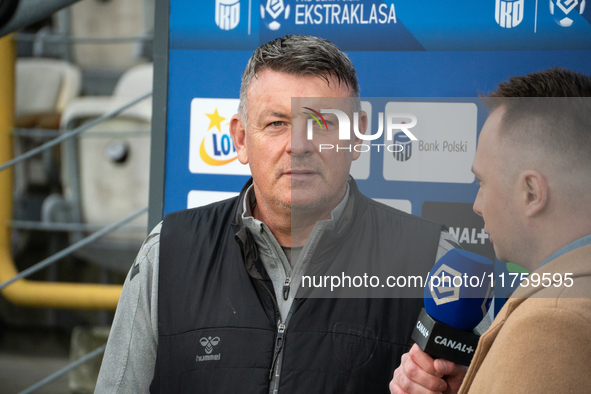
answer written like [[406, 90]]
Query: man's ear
[[534, 192], [238, 133], [362, 130]]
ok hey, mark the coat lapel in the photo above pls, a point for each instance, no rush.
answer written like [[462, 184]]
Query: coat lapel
[[574, 262]]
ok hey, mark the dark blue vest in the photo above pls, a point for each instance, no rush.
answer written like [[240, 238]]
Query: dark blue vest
[[218, 320]]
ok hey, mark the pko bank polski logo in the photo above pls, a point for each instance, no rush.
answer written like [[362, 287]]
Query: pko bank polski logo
[[211, 149], [273, 10], [445, 147], [564, 10], [227, 14], [508, 13]]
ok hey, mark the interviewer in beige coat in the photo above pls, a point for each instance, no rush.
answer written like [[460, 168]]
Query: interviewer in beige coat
[[534, 166]]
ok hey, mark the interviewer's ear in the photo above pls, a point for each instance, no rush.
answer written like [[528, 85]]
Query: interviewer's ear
[[238, 133], [534, 192]]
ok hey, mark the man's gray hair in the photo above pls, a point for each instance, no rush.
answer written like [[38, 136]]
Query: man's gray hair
[[300, 56]]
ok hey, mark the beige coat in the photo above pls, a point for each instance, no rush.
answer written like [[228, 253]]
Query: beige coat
[[540, 342]]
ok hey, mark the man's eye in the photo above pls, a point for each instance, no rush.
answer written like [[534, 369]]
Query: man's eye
[[279, 123]]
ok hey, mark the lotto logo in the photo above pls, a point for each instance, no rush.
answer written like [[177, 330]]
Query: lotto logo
[[211, 149]]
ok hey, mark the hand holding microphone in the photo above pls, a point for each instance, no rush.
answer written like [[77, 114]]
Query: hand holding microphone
[[455, 302], [419, 373]]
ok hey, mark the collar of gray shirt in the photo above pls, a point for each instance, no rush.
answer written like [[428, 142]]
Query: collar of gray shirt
[[272, 256], [253, 224]]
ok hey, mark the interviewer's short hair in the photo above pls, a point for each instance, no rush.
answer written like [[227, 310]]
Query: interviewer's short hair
[[549, 109], [300, 56]]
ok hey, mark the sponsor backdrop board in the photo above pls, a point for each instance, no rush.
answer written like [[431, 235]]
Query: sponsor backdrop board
[[434, 56]]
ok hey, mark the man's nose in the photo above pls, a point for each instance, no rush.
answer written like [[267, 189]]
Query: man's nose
[[298, 143], [477, 206]]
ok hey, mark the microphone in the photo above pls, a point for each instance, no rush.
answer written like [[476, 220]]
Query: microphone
[[457, 296]]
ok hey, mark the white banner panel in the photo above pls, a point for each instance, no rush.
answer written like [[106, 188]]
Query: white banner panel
[[199, 198], [446, 145]]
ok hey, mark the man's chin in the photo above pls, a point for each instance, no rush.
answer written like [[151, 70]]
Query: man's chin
[[299, 204], [302, 206], [500, 255], [305, 184]]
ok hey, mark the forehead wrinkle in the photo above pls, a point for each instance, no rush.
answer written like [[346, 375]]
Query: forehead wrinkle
[[274, 114]]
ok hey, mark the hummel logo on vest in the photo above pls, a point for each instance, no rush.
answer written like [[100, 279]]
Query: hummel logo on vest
[[208, 343]]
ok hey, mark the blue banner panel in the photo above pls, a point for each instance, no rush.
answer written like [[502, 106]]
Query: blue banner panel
[[429, 53], [372, 25]]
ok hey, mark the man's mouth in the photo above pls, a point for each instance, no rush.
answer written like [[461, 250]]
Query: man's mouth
[[301, 173]]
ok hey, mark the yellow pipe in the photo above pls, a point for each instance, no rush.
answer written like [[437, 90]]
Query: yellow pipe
[[25, 292]]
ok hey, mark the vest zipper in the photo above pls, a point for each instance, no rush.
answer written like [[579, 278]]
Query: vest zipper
[[280, 333], [278, 346], [286, 287]]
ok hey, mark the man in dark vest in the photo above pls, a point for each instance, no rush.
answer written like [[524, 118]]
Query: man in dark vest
[[215, 301]]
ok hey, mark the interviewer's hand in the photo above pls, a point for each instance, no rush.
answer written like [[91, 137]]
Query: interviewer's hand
[[418, 373]]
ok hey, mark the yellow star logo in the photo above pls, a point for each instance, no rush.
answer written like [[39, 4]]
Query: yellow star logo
[[215, 120]]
